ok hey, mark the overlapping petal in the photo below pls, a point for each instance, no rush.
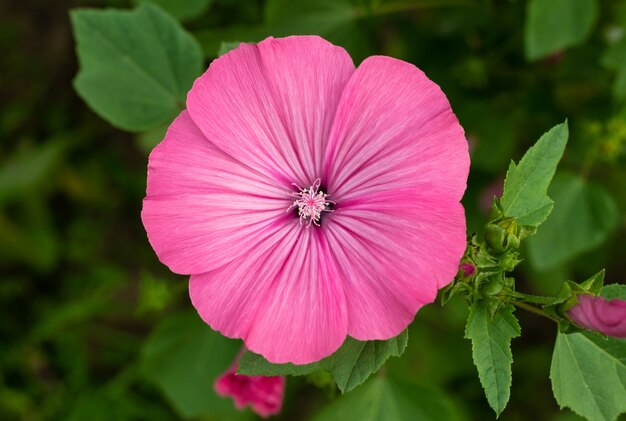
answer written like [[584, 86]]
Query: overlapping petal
[[203, 209], [271, 105], [396, 164], [285, 299]]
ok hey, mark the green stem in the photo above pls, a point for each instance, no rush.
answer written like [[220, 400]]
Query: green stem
[[532, 309], [536, 299]]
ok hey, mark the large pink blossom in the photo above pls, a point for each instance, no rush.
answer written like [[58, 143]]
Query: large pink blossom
[[307, 199], [598, 313]]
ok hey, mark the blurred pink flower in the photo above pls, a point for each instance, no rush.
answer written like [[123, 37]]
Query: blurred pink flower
[[263, 394], [309, 200], [598, 313]]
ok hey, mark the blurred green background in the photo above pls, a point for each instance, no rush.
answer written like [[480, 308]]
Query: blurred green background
[[94, 327]]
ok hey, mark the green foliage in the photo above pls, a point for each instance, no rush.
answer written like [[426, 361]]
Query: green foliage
[[183, 357], [588, 375], [566, 298], [525, 188], [28, 169], [584, 215], [615, 58], [135, 66], [491, 348], [554, 25], [227, 46], [350, 365], [181, 10], [386, 399]]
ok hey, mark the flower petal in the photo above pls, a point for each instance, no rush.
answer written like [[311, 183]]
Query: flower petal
[[598, 313], [395, 129], [393, 264], [271, 105], [285, 299], [204, 209], [397, 165]]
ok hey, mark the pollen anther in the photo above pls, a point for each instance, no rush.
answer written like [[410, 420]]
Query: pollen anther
[[310, 203]]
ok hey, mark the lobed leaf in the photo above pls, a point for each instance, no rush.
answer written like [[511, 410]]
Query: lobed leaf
[[588, 375], [136, 67]]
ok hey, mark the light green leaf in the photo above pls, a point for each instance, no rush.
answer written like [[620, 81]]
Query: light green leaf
[[136, 67], [183, 357], [491, 349], [385, 399], [525, 188], [614, 291], [588, 375], [181, 10], [584, 215], [350, 365], [553, 25]]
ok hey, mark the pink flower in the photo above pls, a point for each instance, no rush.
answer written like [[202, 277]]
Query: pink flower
[[598, 313], [263, 394], [309, 200]]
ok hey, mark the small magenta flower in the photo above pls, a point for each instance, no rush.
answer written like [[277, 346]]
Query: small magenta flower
[[467, 269], [263, 394], [598, 313], [307, 199]]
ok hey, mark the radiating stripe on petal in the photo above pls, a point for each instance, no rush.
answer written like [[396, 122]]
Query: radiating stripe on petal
[[285, 299], [396, 165], [271, 105], [203, 208]]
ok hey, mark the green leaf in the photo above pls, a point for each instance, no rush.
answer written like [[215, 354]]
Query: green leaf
[[588, 375], [525, 188], [615, 58], [491, 349], [553, 25], [350, 365], [181, 10], [136, 67], [183, 357], [388, 399], [614, 291], [584, 215]]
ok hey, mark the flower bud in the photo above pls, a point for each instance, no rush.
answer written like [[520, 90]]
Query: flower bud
[[600, 314]]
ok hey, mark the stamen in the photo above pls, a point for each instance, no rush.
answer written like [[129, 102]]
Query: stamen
[[311, 203]]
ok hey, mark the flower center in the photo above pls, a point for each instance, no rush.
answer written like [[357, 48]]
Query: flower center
[[311, 203]]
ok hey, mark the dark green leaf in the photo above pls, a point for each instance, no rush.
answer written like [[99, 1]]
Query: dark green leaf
[[584, 215], [183, 357], [525, 188], [181, 10], [136, 67], [588, 375], [350, 365], [491, 349], [387, 399], [553, 25]]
